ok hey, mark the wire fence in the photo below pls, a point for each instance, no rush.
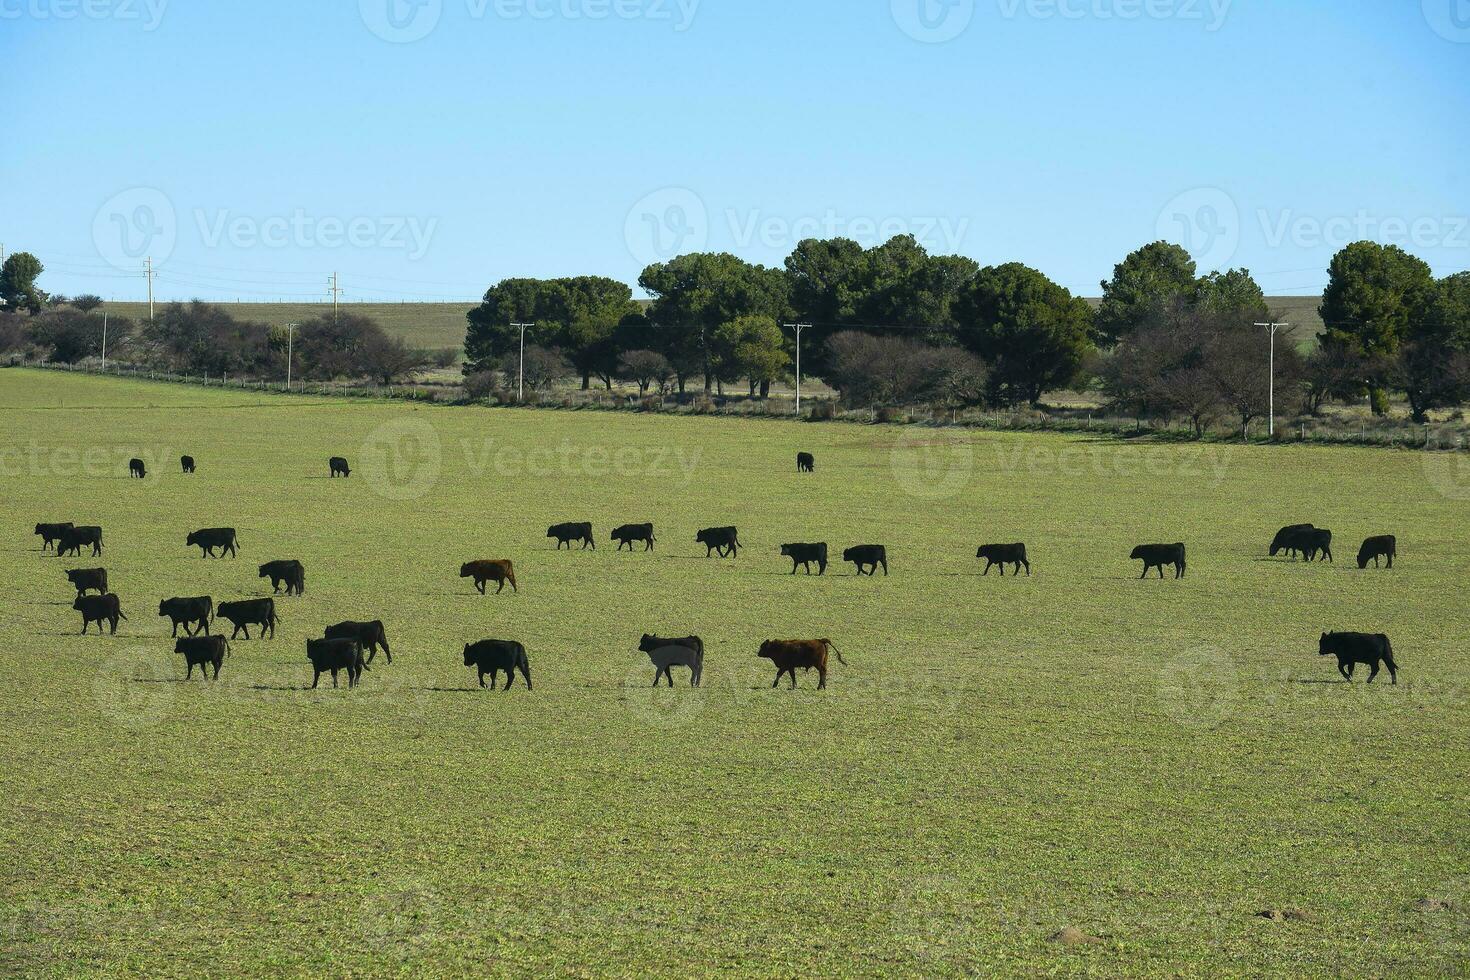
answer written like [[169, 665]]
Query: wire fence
[[1391, 433]]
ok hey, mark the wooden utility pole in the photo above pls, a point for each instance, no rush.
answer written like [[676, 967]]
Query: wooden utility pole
[[521, 379], [332, 288], [799, 327]]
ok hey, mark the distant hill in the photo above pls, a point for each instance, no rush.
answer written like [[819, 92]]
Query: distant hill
[[442, 325], [432, 325]]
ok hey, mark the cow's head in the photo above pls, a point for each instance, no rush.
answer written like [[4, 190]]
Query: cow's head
[[1137, 553], [551, 532], [648, 644], [193, 537], [465, 570], [469, 658], [1324, 645], [768, 650], [179, 646], [264, 571], [77, 603], [163, 610]]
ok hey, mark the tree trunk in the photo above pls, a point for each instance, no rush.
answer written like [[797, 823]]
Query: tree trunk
[[766, 389], [586, 380]]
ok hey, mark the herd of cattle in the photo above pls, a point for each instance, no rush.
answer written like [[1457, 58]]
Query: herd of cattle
[[350, 647]]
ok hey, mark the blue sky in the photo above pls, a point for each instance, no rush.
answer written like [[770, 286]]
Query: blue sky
[[424, 149]]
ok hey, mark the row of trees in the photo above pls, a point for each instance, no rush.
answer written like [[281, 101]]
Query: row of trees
[[198, 338], [1163, 341]]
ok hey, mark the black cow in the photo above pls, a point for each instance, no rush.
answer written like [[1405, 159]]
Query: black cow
[[370, 635], [99, 609], [193, 614], [868, 556], [339, 467], [1352, 649], [492, 656], [687, 651], [805, 555], [725, 540], [211, 538], [52, 533], [88, 578], [202, 652], [806, 463], [187, 462], [1286, 539], [74, 539], [1383, 546], [289, 572], [136, 468], [335, 655], [1315, 544], [249, 612], [565, 534], [1159, 555], [628, 534], [1003, 555]]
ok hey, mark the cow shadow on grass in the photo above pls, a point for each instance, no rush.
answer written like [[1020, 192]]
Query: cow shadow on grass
[[451, 690], [281, 687]]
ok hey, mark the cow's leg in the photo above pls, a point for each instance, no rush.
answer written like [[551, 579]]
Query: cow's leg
[[1345, 671], [1393, 672], [821, 678], [315, 679], [1374, 672], [480, 584], [174, 634], [482, 678], [334, 676], [500, 588], [189, 671], [777, 681], [216, 668], [246, 628], [113, 623], [510, 676]]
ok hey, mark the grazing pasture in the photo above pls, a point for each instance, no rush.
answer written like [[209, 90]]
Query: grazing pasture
[[1138, 768]]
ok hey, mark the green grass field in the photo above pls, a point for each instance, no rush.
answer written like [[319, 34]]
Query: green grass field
[[1153, 763]]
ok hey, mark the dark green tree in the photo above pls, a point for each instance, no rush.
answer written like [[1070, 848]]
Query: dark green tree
[[1374, 295], [1033, 333], [18, 290], [694, 294], [1142, 284]]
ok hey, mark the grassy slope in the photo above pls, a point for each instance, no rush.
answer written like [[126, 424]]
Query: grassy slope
[[432, 325], [1152, 762]]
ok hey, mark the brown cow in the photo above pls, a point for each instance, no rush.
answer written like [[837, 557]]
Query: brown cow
[[490, 571], [788, 655]]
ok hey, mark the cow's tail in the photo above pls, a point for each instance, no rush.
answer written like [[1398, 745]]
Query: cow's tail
[[1388, 653], [833, 647], [121, 614]]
